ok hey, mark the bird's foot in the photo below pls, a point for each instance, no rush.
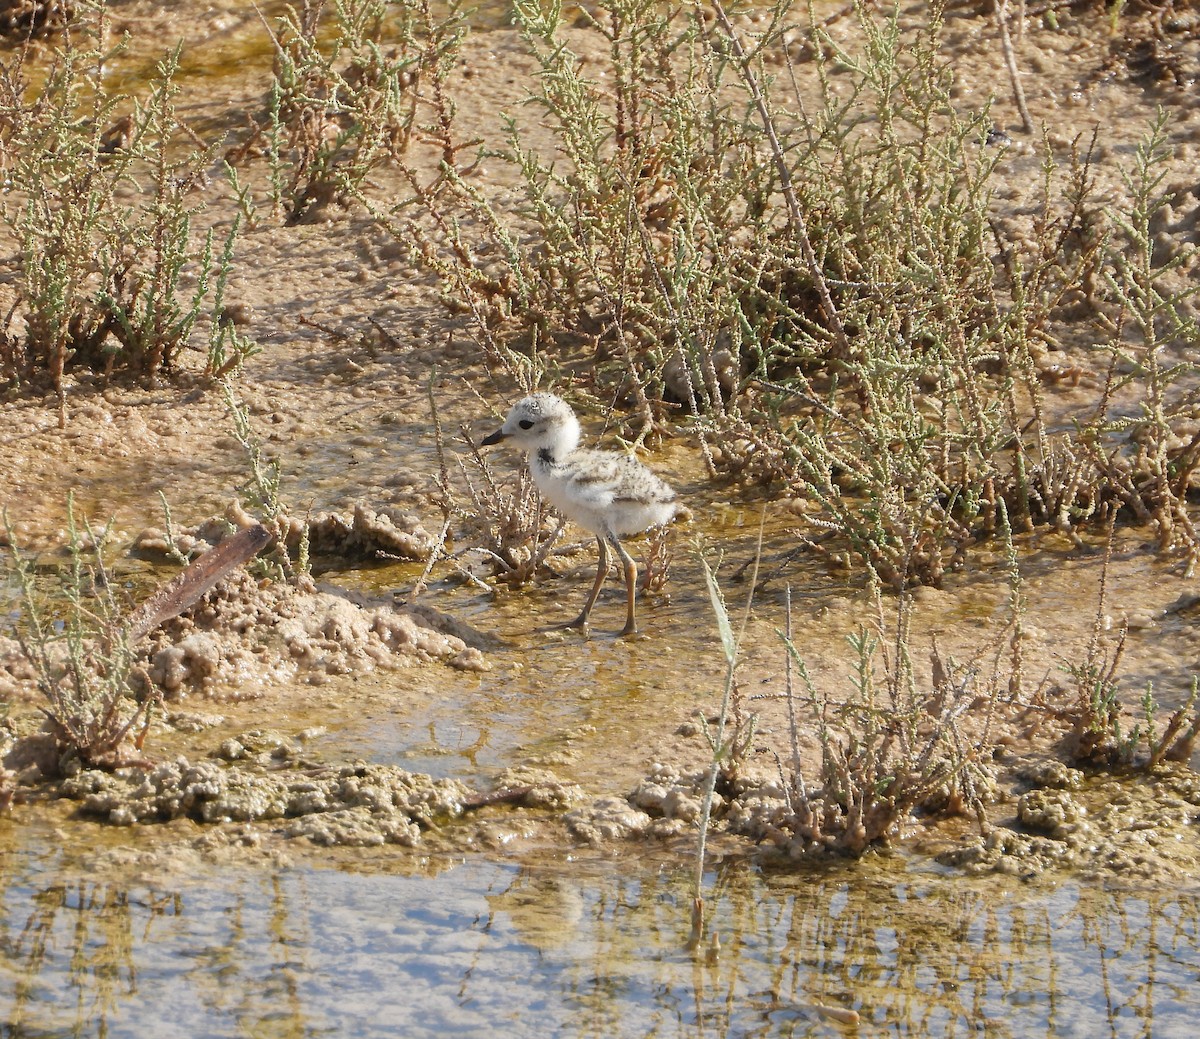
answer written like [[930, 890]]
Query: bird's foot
[[580, 623]]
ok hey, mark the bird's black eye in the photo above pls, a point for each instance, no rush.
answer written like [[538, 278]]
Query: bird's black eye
[[525, 423]]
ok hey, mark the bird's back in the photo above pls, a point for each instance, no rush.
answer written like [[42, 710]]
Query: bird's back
[[605, 491]]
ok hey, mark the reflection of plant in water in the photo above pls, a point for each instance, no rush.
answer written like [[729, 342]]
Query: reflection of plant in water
[[1158, 928], [91, 927], [77, 641], [71, 965], [902, 962], [927, 958], [911, 953]]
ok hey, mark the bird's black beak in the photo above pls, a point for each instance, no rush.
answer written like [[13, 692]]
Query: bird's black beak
[[494, 438]]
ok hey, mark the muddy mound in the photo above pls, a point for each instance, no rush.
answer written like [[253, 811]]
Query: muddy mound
[[244, 632], [355, 805]]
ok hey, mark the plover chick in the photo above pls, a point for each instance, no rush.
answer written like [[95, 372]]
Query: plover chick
[[607, 492]]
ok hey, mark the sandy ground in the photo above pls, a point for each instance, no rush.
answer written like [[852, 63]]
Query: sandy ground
[[354, 339]]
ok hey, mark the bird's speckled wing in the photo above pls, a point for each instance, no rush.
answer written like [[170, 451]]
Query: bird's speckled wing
[[604, 488]]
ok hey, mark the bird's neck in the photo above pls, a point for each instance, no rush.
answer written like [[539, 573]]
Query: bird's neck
[[568, 437], [565, 441]]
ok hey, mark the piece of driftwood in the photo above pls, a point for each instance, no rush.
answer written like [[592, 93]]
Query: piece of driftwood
[[507, 795], [197, 578]]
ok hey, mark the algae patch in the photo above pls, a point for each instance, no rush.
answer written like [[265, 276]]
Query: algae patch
[[1102, 827], [354, 805]]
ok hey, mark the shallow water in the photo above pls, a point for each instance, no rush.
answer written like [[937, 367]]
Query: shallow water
[[389, 944]]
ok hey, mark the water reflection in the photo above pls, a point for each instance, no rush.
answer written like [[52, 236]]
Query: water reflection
[[581, 949]]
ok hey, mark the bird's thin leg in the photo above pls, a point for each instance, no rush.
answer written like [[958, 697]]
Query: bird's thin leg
[[601, 574], [630, 585]]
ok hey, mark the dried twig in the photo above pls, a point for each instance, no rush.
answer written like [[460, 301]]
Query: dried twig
[[1010, 59]]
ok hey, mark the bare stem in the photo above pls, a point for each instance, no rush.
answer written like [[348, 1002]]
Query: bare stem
[[1010, 59]]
